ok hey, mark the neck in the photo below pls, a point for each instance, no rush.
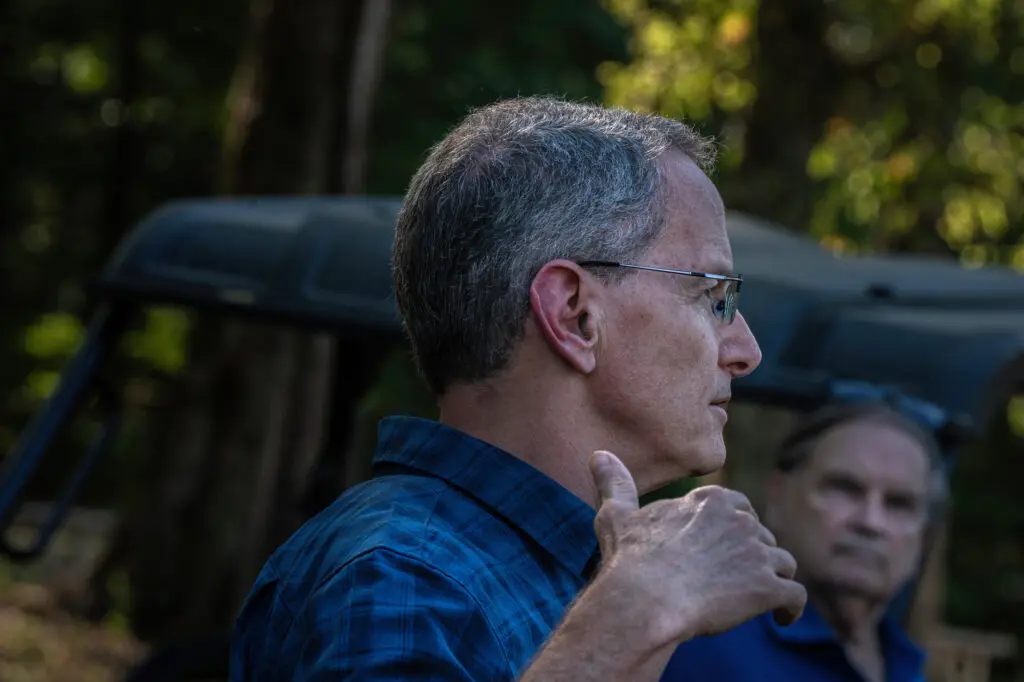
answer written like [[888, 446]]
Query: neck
[[548, 431], [854, 617]]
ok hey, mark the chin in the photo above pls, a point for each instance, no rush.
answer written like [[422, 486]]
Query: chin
[[686, 455], [708, 467], [864, 582], [704, 462]]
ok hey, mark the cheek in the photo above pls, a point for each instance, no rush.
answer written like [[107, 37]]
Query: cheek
[[905, 548], [829, 513], [666, 341], [660, 362], [803, 522], [630, 367], [690, 356], [827, 524]]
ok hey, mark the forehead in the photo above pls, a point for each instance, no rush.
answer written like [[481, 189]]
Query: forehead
[[695, 236], [874, 452]]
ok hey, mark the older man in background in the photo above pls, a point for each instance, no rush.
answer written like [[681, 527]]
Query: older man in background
[[850, 497]]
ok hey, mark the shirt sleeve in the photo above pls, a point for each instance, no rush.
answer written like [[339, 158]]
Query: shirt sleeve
[[388, 617]]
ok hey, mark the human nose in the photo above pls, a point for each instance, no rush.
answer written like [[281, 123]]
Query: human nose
[[739, 353], [871, 516]]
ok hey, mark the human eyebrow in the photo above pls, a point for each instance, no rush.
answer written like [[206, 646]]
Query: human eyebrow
[[838, 480]]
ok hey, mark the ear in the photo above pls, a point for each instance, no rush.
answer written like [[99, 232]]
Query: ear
[[563, 301]]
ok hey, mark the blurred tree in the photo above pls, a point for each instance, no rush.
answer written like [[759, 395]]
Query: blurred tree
[[236, 444], [122, 108], [117, 109]]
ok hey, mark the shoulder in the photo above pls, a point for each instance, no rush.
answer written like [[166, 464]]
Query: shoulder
[[383, 592], [383, 615], [387, 613], [403, 559], [416, 517]]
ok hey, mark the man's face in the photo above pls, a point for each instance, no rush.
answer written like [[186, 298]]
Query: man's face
[[666, 362], [853, 515]]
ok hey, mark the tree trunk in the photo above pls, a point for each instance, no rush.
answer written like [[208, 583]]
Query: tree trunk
[[790, 113], [240, 436]]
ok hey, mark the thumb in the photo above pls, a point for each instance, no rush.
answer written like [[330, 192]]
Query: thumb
[[613, 480]]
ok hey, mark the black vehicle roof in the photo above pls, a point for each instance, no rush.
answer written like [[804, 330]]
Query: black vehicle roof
[[937, 330]]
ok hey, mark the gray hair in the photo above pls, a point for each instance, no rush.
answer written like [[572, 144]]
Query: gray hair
[[516, 185]]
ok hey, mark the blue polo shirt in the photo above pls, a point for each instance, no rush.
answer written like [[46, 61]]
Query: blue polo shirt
[[453, 563], [762, 651]]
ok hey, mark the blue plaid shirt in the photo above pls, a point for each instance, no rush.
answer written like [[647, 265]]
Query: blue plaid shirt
[[454, 562]]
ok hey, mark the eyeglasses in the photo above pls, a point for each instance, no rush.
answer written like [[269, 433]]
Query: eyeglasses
[[927, 415], [726, 295], [949, 428]]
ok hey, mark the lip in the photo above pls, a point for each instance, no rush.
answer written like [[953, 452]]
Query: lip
[[861, 554], [720, 407]]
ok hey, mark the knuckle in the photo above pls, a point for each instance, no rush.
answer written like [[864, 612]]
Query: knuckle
[[710, 492], [748, 524], [614, 507], [768, 578], [741, 500], [789, 564], [782, 562], [699, 494]]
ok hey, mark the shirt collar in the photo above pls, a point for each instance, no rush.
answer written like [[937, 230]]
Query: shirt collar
[[812, 628], [553, 517]]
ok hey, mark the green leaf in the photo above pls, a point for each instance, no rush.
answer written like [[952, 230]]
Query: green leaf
[[54, 335]]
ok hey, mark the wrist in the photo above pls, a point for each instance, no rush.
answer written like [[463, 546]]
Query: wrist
[[653, 620]]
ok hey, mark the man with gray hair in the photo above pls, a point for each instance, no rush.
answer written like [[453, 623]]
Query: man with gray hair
[[851, 496], [563, 273]]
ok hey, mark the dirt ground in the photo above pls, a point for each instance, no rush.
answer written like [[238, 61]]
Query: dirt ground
[[41, 642]]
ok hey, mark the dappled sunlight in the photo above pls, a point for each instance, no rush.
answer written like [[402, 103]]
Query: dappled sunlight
[[886, 165], [687, 62]]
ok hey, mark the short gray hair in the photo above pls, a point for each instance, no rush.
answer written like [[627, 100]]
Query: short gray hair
[[516, 185]]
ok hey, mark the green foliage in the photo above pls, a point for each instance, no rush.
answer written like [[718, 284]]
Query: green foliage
[[688, 58], [917, 144], [85, 71], [119, 108], [54, 335], [161, 342], [442, 62]]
